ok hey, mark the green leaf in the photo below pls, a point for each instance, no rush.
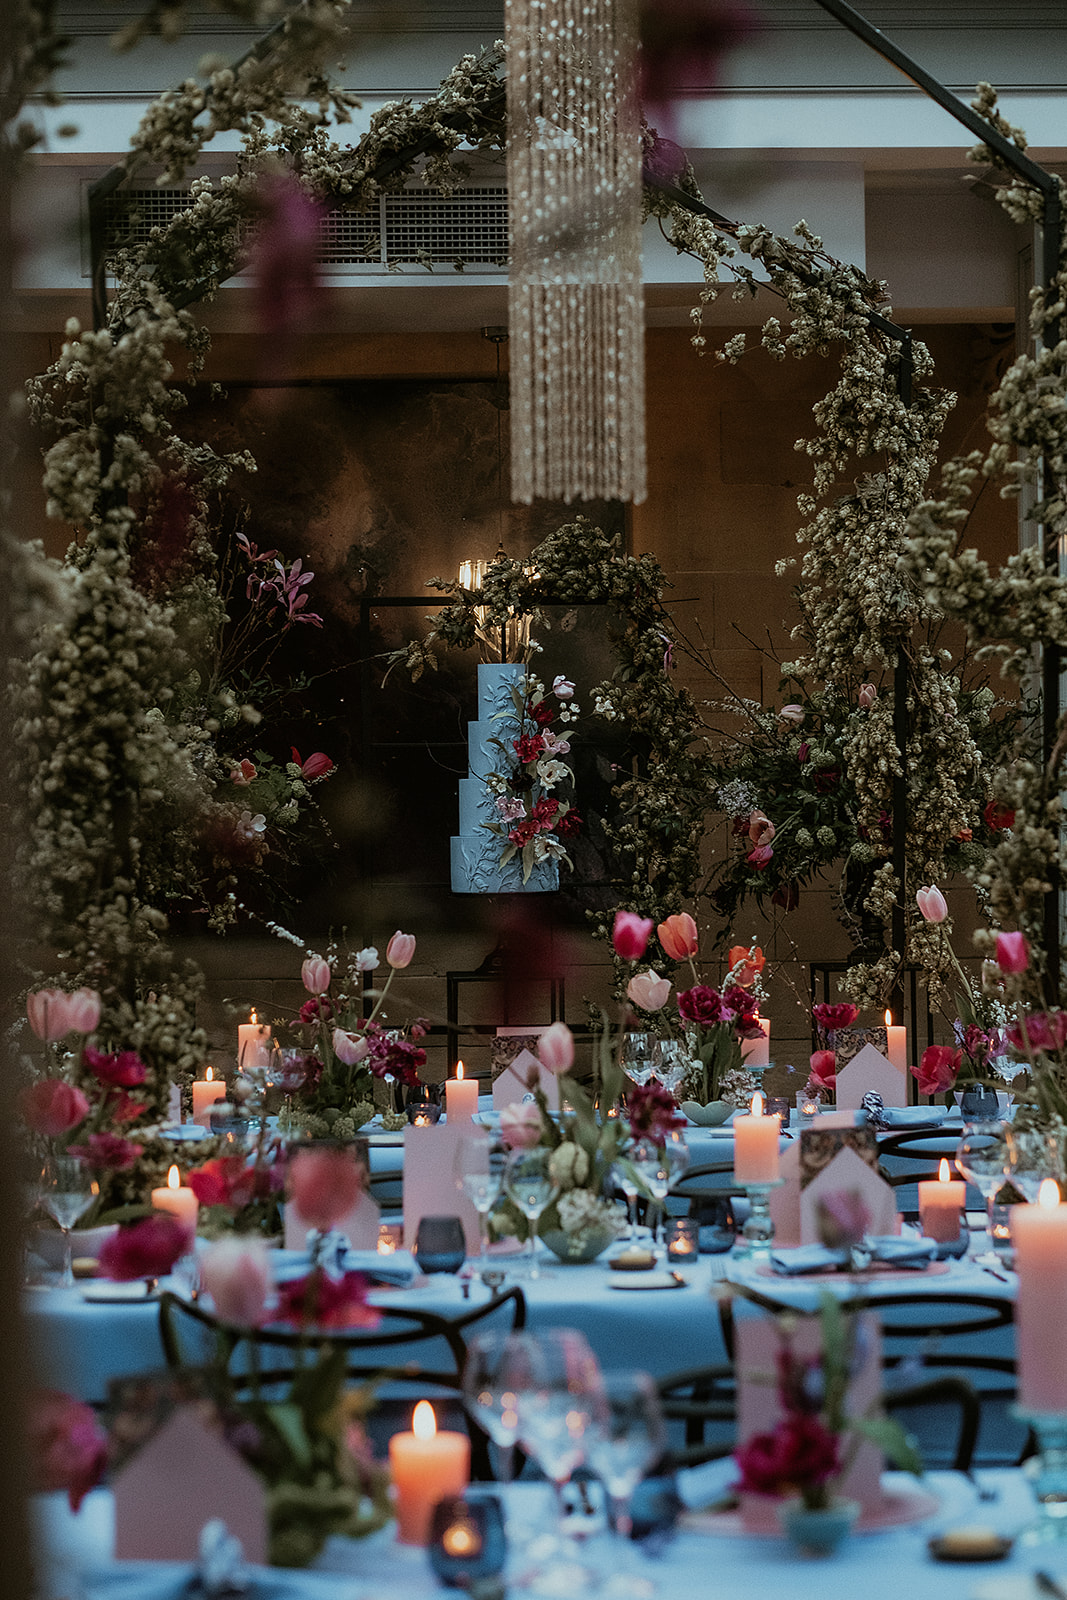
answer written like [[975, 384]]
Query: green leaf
[[288, 1422], [896, 1445]]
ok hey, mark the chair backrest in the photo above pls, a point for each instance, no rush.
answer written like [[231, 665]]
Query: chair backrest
[[192, 1336]]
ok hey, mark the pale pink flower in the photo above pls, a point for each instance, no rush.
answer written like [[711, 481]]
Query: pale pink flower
[[867, 696], [555, 1048], [236, 1274], [48, 1011], [351, 1048], [315, 975], [400, 949], [83, 1011], [932, 904], [648, 990], [520, 1125], [324, 1185], [554, 745], [562, 687], [792, 713]]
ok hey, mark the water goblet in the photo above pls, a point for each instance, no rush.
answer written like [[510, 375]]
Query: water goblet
[[1034, 1154], [982, 1157], [623, 1178], [479, 1172], [529, 1182], [496, 1362], [671, 1063], [556, 1385], [68, 1189], [637, 1056], [626, 1436]]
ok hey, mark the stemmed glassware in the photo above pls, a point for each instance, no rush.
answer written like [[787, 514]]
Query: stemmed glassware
[[671, 1063], [1033, 1155], [623, 1178], [68, 1189], [530, 1184], [556, 1383], [479, 1172], [658, 1167], [983, 1158], [638, 1050], [496, 1362], [625, 1437]]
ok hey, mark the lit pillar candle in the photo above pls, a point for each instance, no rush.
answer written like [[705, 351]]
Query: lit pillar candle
[[758, 1051], [426, 1467], [206, 1091], [897, 1043], [1039, 1233], [461, 1096], [940, 1203], [756, 1145], [253, 1043], [178, 1199]]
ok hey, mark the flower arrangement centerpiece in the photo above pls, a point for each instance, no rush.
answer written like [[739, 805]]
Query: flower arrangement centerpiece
[[329, 1077], [714, 1023], [805, 1456], [530, 777], [981, 1018], [830, 1019]]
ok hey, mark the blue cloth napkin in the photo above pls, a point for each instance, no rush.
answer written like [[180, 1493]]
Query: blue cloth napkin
[[887, 1249], [915, 1116], [398, 1270], [169, 1580]]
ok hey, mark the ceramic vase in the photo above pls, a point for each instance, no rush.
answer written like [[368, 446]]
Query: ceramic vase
[[818, 1532]]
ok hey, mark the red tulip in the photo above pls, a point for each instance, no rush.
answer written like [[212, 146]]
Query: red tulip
[[236, 1274], [324, 1185], [316, 766], [400, 949], [831, 1017], [52, 1107], [630, 935], [678, 936], [998, 816], [146, 1249], [938, 1068]]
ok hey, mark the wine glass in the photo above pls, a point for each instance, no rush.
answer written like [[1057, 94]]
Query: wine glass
[[637, 1056], [556, 1388], [623, 1178], [671, 1063], [626, 1435], [1033, 1155], [479, 1172], [530, 1184], [67, 1191], [497, 1361], [653, 1170], [982, 1157]]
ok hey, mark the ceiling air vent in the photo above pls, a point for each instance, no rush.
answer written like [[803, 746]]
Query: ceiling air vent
[[414, 228]]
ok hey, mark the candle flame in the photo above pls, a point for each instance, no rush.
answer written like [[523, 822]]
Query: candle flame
[[757, 1105], [888, 1017], [423, 1421], [174, 1179], [208, 1075], [459, 1070], [252, 1015], [943, 1171], [1049, 1194]]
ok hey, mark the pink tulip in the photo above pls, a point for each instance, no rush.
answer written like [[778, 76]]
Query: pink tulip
[[67, 1445], [351, 1048], [760, 828], [83, 1011], [49, 1011], [236, 1274], [648, 990], [938, 1068], [867, 696], [520, 1125], [555, 1048], [630, 935], [562, 687], [1013, 952], [678, 936], [760, 857], [793, 714], [932, 904], [400, 949], [324, 1185], [53, 1107], [823, 1073], [315, 975]]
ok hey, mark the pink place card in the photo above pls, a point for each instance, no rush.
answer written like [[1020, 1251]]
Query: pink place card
[[785, 1201], [513, 1062], [360, 1226], [182, 1477], [759, 1406], [870, 1069], [431, 1181], [848, 1173]]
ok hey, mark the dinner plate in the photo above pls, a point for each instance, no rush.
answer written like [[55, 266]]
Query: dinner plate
[[119, 1293], [647, 1280]]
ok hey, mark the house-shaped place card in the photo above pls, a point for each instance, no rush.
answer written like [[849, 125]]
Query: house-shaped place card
[[849, 1173], [182, 1476], [869, 1069], [514, 1065]]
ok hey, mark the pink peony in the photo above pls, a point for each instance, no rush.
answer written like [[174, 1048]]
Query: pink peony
[[520, 1125], [823, 1074], [652, 1112], [932, 904], [351, 1048], [555, 1048], [107, 1152], [52, 1107], [938, 1068], [648, 990], [801, 1452], [315, 975], [68, 1447], [83, 1011], [122, 1070], [236, 1274], [323, 1302], [146, 1249], [400, 949], [678, 936], [324, 1185], [1013, 952], [48, 1013], [830, 1018], [630, 935]]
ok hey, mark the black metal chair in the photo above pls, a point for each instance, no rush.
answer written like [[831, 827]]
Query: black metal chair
[[192, 1336]]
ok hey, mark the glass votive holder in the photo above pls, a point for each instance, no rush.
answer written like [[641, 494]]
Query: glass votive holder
[[468, 1544], [808, 1106], [778, 1103], [423, 1113], [1000, 1226], [683, 1238], [440, 1245], [390, 1237]]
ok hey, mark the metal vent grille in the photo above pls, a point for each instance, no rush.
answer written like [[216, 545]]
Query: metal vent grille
[[414, 227]]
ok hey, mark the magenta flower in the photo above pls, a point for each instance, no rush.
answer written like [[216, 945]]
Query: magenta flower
[[146, 1249], [318, 765], [938, 1068], [703, 1005], [823, 1074], [831, 1017], [323, 1302], [122, 1070], [68, 1446], [630, 935], [1013, 952], [683, 43], [759, 857], [107, 1152], [284, 255], [801, 1452]]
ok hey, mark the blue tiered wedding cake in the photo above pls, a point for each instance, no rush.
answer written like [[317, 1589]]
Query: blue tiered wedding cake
[[476, 852]]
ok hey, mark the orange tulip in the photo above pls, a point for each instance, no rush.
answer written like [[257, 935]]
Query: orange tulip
[[678, 936], [749, 964]]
